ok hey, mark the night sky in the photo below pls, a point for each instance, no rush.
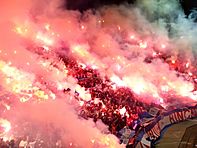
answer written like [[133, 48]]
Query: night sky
[[82, 5]]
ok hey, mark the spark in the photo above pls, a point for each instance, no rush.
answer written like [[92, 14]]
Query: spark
[[47, 27], [132, 37], [82, 27], [119, 27], [154, 54], [143, 45], [173, 61], [187, 64], [92, 140], [163, 46]]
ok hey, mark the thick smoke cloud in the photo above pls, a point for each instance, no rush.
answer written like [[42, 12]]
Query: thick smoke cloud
[[113, 39], [171, 17]]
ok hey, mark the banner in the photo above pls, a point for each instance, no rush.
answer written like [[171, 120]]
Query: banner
[[151, 132]]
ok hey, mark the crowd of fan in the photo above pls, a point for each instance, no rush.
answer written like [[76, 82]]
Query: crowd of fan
[[106, 104], [112, 101], [116, 107], [24, 142]]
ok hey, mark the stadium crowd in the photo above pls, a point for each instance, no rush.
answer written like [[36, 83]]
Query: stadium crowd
[[117, 107]]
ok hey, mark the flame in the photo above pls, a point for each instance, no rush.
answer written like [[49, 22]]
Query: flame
[[83, 54], [138, 85], [114, 78], [163, 46], [5, 124], [21, 30], [47, 27], [21, 83], [17, 80], [46, 40], [46, 37], [81, 50], [122, 111], [109, 142], [143, 45]]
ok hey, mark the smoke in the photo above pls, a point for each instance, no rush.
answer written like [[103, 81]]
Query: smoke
[[48, 118], [115, 40], [26, 77], [170, 16]]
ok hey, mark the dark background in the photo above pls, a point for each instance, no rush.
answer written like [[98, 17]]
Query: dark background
[[188, 5]]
